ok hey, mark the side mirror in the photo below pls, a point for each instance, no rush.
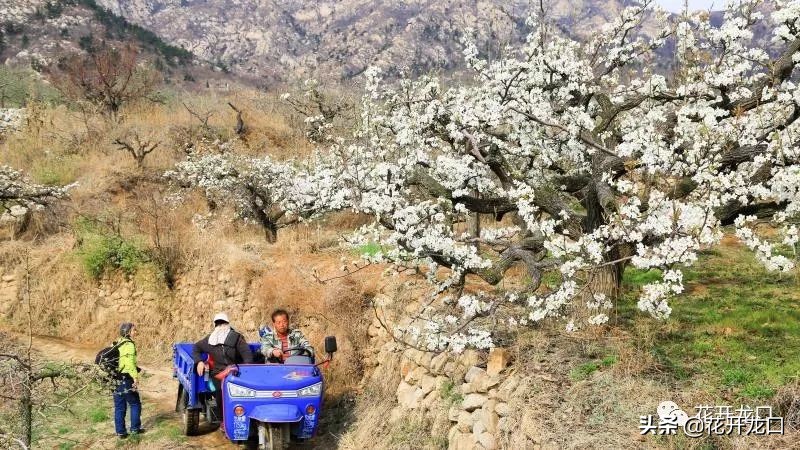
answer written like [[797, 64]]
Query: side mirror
[[330, 344]]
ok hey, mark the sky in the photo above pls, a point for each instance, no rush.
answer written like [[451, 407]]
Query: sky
[[677, 5]]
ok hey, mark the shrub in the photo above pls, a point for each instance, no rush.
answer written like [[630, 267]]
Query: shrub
[[101, 250], [451, 394], [100, 253]]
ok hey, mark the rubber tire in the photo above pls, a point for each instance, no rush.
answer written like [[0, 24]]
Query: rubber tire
[[191, 417], [278, 435]]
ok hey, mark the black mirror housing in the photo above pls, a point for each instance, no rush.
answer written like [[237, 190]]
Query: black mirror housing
[[330, 344]]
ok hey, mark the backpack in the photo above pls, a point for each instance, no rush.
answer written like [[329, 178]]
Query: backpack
[[108, 360], [230, 343]]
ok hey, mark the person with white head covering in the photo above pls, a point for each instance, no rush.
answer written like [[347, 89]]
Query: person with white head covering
[[221, 331], [224, 347]]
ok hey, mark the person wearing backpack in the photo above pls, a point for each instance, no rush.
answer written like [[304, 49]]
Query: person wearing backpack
[[224, 347], [126, 393]]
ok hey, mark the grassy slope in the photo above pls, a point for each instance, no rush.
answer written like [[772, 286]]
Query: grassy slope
[[91, 422], [736, 332], [88, 422]]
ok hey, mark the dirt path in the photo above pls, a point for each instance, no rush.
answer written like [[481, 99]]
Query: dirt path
[[157, 390]]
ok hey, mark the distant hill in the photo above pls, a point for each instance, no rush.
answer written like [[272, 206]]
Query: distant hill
[[37, 33], [267, 41], [282, 39]]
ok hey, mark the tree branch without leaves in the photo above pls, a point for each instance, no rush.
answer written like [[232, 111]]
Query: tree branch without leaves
[[137, 147]]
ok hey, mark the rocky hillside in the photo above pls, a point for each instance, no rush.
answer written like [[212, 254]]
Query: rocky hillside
[[284, 39], [37, 33]]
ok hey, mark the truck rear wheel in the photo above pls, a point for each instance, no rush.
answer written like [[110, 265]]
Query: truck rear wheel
[[191, 417]]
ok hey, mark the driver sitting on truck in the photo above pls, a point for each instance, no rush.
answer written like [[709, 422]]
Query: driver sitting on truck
[[275, 341]]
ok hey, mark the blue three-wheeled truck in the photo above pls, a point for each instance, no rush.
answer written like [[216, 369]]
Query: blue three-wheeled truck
[[271, 402]]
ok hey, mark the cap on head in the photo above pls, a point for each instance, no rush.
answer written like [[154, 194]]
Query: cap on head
[[221, 317], [125, 329]]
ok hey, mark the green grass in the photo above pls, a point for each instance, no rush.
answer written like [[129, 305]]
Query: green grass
[[369, 249], [450, 394], [635, 278], [68, 428], [551, 279], [735, 377], [736, 331], [98, 414], [583, 371], [101, 250], [88, 422], [161, 429], [56, 171]]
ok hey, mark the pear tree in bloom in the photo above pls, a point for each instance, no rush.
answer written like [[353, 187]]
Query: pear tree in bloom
[[580, 159], [17, 191], [259, 190]]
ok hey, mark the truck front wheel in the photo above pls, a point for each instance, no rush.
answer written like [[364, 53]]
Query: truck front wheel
[[273, 436]]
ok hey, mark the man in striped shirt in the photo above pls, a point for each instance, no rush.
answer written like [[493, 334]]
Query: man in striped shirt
[[275, 341]]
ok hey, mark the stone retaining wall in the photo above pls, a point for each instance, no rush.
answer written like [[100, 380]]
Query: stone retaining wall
[[473, 389]]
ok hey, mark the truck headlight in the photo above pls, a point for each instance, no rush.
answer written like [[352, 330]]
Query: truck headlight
[[315, 390], [240, 391]]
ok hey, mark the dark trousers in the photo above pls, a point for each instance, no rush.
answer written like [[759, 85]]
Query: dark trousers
[[125, 396], [217, 398]]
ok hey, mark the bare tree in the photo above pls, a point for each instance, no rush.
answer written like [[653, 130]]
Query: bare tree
[[109, 77], [32, 385], [136, 146], [325, 110], [168, 248], [240, 129], [202, 115]]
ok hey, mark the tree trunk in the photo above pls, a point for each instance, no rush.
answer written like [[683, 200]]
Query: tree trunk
[[271, 234], [260, 204], [474, 225], [26, 412], [607, 280], [474, 222]]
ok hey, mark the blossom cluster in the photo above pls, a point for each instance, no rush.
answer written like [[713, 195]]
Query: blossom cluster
[[18, 190], [261, 190]]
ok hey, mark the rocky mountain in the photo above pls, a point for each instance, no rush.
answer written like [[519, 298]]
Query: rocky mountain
[[286, 40], [38, 33], [280, 39]]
